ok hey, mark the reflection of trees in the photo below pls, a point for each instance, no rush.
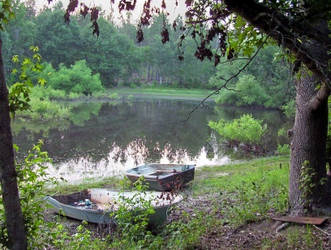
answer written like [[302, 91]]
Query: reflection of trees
[[155, 124], [27, 133], [154, 121], [31, 127], [82, 112]]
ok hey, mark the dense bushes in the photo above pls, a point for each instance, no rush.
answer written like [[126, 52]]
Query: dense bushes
[[245, 130], [248, 91], [265, 82], [76, 79]]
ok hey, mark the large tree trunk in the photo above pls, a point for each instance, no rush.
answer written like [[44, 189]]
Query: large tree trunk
[[8, 176], [308, 156]]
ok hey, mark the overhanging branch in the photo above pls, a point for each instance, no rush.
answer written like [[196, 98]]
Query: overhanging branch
[[289, 33], [320, 97], [224, 86]]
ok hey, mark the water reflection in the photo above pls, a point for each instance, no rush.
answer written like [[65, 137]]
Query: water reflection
[[120, 159], [103, 139]]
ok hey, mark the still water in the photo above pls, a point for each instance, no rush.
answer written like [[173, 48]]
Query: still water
[[104, 139]]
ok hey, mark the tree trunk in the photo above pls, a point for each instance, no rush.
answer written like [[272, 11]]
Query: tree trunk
[[8, 176], [308, 156]]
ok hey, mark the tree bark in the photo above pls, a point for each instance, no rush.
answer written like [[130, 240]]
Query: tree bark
[[8, 177], [309, 42], [308, 149]]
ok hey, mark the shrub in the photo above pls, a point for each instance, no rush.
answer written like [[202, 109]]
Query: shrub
[[250, 91], [283, 149], [44, 109], [228, 97], [32, 178], [246, 130], [77, 79], [41, 92], [289, 109], [132, 218]]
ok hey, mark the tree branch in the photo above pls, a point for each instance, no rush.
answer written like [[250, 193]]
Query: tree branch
[[287, 32], [321, 96], [227, 80]]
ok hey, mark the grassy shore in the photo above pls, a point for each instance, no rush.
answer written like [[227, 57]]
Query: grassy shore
[[226, 207], [169, 93]]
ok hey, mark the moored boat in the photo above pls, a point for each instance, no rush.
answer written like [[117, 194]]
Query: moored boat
[[163, 177], [96, 205]]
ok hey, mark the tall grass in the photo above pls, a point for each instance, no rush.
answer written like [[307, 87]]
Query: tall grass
[[41, 107]]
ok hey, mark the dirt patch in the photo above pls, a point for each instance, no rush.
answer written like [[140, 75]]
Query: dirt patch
[[255, 235]]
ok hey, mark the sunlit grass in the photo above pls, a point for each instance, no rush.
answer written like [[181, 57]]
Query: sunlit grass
[[195, 93]]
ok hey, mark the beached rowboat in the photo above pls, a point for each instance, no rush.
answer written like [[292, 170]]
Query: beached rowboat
[[95, 205], [163, 177]]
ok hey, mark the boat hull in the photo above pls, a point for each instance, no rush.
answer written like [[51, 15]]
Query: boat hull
[[163, 177], [61, 205]]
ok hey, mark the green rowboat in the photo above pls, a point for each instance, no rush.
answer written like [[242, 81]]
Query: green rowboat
[[95, 205]]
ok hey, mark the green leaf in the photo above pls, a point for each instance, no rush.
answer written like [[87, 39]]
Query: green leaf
[[42, 81], [15, 59]]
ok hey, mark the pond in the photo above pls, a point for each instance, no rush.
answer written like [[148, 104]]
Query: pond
[[105, 139]]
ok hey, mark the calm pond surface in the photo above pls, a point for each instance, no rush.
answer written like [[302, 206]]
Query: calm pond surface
[[105, 139]]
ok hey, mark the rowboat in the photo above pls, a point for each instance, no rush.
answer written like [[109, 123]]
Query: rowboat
[[96, 205], [163, 177]]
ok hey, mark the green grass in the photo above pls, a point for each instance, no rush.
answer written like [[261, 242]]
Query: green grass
[[248, 190], [165, 92]]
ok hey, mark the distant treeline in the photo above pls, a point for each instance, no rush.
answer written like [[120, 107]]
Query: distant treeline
[[115, 55], [116, 59]]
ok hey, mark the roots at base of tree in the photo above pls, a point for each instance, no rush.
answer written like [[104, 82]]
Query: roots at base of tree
[[316, 210], [320, 208]]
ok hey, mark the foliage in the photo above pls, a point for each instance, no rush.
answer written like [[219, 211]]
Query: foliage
[[46, 110], [114, 54], [32, 179], [60, 238], [255, 195], [77, 79], [250, 91], [289, 109], [6, 12], [132, 219], [19, 92], [46, 92], [307, 184], [186, 233], [283, 149], [246, 129], [266, 81], [282, 132]]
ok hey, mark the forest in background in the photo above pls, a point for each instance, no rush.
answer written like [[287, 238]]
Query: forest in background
[[78, 62]]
